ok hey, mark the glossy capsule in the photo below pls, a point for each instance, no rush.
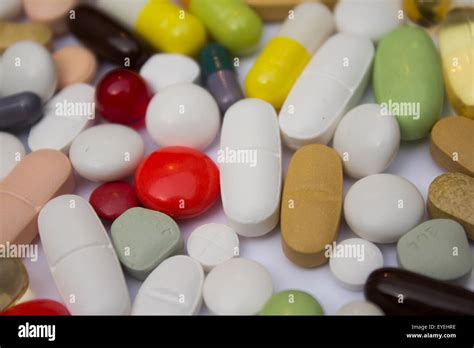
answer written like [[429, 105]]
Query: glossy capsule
[[285, 56], [13, 281], [232, 23], [165, 26], [426, 12], [219, 76], [456, 41], [399, 292], [107, 38], [20, 111]]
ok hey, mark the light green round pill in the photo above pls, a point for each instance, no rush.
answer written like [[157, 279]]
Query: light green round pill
[[436, 248], [292, 302], [143, 238], [408, 80]]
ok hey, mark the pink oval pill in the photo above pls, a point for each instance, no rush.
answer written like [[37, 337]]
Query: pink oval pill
[[75, 64]]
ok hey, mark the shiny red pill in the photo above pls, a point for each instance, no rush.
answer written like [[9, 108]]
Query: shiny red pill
[[112, 199], [37, 308], [122, 96], [178, 181]]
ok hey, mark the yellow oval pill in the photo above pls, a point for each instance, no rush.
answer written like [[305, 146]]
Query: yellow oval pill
[[311, 205]]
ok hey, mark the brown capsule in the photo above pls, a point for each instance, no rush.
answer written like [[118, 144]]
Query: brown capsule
[[107, 38], [399, 292], [452, 144], [451, 196]]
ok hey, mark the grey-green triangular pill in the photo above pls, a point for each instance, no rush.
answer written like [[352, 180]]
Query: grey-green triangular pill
[[144, 238], [436, 248]]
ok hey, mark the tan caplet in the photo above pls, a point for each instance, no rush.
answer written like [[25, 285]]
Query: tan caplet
[[311, 205], [11, 33], [39, 177], [278, 10], [452, 144], [451, 196], [13, 281]]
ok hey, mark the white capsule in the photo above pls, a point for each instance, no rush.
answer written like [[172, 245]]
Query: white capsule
[[332, 83], [66, 115], [250, 167], [81, 258]]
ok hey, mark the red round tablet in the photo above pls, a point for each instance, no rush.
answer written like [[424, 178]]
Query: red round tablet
[[112, 199], [37, 308], [178, 181], [122, 96]]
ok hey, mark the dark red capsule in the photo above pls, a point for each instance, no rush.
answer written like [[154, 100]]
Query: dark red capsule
[[400, 292]]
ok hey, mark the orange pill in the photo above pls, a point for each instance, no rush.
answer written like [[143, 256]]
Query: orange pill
[[75, 64], [53, 13], [39, 177]]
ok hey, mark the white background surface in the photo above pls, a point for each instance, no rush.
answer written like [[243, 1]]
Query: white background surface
[[413, 162]]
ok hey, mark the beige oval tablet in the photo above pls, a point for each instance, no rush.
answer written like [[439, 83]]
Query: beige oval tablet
[[75, 64], [452, 144], [39, 177], [53, 13], [451, 196], [311, 205], [11, 33]]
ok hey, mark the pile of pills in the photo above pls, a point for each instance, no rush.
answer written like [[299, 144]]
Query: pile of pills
[[108, 155]]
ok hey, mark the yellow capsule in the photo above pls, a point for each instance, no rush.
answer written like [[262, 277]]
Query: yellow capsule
[[285, 56], [426, 12], [456, 41], [165, 26]]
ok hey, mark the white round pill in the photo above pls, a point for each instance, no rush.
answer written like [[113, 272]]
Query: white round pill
[[12, 152], [165, 69], [213, 244], [360, 308], [353, 260], [237, 287], [106, 152], [383, 207], [183, 114], [368, 18], [28, 66], [367, 139], [66, 115]]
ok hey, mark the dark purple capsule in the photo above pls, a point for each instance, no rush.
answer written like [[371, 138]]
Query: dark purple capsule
[[400, 292], [107, 38], [219, 76], [20, 111]]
